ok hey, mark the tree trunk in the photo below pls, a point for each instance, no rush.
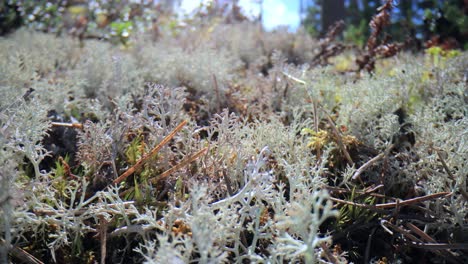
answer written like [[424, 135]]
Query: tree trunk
[[332, 11]]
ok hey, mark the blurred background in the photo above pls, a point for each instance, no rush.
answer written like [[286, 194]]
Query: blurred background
[[444, 22]]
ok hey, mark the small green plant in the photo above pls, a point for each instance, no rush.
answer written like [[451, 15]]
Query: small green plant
[[352, 214], [62, 177], [122, 31], [317, 140], [437, 56]]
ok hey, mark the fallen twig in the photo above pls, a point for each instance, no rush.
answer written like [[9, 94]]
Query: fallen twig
[[451, 176], [181, 164], [439, 246], [413, 200], [328, 254], [420, 233], [218, 97], [425, 237], [20, 254], [366, 165], [294, 78], [103, 237], [370, 192], [368, 246], [394, 204], [402, 231], [139, 229], [339, 141], [145, 158], [71, 125], [416, 242], [367, 206]]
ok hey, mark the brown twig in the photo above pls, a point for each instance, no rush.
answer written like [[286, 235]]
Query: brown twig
[[439, 246], [71, 125], [24, 256], [444, 164], [228, 183], [180, 165], [218, 97], [368, 246], [339, 141], [413, 200], [316, 125], [396, 211], [394, 204], [451, 176], [328, 254], [420, 233], [402, 231], [366, 165], [442, 249], [436, 247], [367, 206], [145, 158], [20, 254], [425, 237], [370, 192], [103, 237], [337, 190], [67, 169]]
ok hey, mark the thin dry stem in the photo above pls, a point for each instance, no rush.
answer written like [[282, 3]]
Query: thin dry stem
[[339, 141], [366, 165], [103, 237], [451, 176], [71, 125], [413, 200], [436, 247], [22, 255], [370, 192], [218, 97], [181, 164], [440, 246], [328, 254], [145, 158], [394, 204], [402, 231]]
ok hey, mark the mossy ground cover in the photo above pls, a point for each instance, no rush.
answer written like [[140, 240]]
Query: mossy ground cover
[[252, 146]]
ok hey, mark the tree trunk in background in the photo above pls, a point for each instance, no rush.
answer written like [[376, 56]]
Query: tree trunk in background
[[332, 11], [353, 15]]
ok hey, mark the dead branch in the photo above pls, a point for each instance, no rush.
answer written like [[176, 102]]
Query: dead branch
[[339, 141], [70, 125], [451, 176], [394, 204], [145, 158], [20, 254], [181, 164], [103, 237], [366, 165]]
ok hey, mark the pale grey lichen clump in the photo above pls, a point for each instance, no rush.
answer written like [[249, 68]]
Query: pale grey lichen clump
[[259, 192]]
